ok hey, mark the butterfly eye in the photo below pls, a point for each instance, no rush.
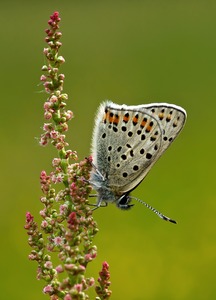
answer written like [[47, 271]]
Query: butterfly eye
[[123, 202]]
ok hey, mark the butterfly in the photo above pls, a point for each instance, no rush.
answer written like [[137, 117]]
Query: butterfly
[[127, 141]]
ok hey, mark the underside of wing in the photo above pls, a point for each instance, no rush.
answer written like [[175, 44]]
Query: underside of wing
[[128, 140]]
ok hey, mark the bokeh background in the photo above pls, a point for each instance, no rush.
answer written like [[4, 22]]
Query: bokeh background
[[131, 52]]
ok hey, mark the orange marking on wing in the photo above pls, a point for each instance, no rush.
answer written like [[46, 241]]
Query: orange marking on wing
[[148, 128], [126, 118], [111, 118], [143, 123], [161, 116], [116, 119], [168, 117], [135, 120]]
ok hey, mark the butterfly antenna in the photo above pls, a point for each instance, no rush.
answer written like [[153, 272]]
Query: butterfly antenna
[[159, 214]]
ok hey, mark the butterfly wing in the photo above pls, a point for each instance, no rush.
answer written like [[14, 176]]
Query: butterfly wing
[[128, 140], [171, 119]]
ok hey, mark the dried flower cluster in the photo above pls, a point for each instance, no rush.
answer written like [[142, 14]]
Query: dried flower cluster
[[67, 228]]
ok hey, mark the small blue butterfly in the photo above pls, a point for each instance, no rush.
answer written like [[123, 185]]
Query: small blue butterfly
[[127, 141]]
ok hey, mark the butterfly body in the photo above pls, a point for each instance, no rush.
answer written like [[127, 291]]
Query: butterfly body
[[127, 141]]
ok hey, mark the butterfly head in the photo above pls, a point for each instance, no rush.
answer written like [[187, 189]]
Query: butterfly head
[[124, 202]]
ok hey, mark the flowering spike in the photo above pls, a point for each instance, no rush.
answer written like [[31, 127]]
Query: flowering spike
[[67, 227], [103, 289]]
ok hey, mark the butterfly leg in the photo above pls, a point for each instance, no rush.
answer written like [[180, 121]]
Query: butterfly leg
[[97, 205]]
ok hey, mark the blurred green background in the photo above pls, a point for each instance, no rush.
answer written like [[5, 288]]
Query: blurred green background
[[131, 52]]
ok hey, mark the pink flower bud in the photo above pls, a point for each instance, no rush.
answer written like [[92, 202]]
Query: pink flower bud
[[43, 212], [56, 178], [105, 265], [70, 267], [47, 115], [91, 281], [29, 218], [55, 70], [78, 287], [58, 240], [63, 209], [44, 68], [53, 134], [61, 59], [43, 141], [56, 162], [73, 186], [69, 115], [59, 269], [67, 297], [90, 159], [47, 90], [59, 146], [61, 77], [53, 99], [44, 224], [64, 127], [48, 289], [43, 78], [88, 257], [54, 297], [48, 265], [55, 16], [46, 51], [47, 105], [51, 44], [32, 256], [47, 126], [58, 44], [58, 35], [47, 84], [43, 175]]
